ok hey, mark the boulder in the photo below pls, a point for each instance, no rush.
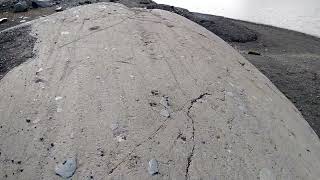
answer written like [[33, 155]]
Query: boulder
[[21, 6], [226, 121]]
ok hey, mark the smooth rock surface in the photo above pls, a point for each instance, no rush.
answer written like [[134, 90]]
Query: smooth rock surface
[[67, 168], [153, 168], [228, 121]]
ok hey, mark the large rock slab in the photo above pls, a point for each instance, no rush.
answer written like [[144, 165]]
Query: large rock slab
[[100, 78]]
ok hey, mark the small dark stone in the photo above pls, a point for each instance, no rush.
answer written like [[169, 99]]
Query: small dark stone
[[242, 63], [102, 153], [94, 28], [91, 177], [21, 170], [19, 162], [153, 104], [38, 80], [12, 161], [183, 138], [52, 145], [28, 120], [41, 139], [254, 53], [203, 142], [308, 150], [155, 92]]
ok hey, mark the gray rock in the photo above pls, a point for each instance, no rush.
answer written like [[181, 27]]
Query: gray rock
[[254, 53], [165, 113], [165, 102], [42, 3], [153, 168], [58, 9], [21, 6], [3, 20], [67, 168]]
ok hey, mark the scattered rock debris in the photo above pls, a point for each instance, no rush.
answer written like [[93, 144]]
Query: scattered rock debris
[[153, 104], [155, 92], [153, 168], [67, 168], [120, 133], [165, 101]]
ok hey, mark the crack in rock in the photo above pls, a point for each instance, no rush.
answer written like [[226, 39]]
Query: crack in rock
[[191, 154]]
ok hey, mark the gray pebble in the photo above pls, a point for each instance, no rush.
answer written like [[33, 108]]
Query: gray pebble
[[165, 113], [67, 168], [153, 168]]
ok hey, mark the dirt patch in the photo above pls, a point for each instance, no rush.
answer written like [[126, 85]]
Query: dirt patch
[[15, 48]]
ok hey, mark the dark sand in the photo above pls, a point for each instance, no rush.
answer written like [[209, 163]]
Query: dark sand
[[291, 60]]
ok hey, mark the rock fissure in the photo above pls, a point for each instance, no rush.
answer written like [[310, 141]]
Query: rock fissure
[[191, 154]]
